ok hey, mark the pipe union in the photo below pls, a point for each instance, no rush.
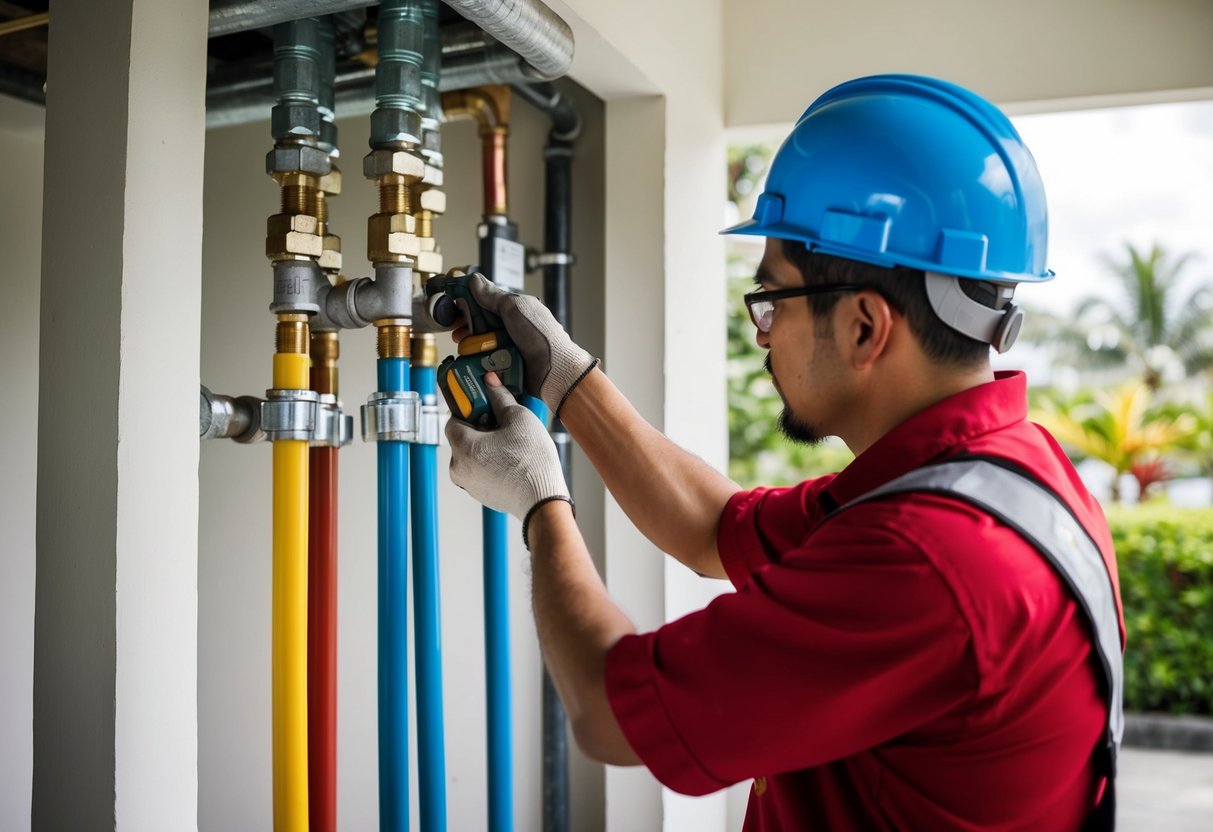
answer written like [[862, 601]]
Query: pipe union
[[299, 158], [392, 124], [294, 119]]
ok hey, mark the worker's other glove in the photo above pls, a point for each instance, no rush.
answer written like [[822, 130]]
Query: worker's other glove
[[512, 468], [554, 364]]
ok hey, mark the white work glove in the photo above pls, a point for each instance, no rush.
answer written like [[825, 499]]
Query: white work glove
[[554, 364], [512, 468]]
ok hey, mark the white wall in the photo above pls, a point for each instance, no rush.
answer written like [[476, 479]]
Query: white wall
[[21, 127], [234, 633], [780, 54]]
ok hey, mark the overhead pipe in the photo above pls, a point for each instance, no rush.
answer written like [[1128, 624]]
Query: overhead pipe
[[470, 58], [230, 16], [528, 28]]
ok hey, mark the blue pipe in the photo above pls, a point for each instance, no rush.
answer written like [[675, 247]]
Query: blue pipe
[[497, 672], [393, 616], [431, 762], [497, 659]]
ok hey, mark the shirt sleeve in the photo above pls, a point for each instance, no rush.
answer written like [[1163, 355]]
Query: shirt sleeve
[[756, 525], [847, 642]]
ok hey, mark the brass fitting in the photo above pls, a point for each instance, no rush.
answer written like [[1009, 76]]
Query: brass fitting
[[392, 233], [326, 349], [297, 231], [393, 338], [425, 350], [293, 333]]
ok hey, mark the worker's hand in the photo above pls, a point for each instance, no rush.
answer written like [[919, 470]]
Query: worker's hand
[[554, 364], [512, 468]]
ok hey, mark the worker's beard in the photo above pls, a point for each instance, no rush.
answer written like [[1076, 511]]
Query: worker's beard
[[791, 425]]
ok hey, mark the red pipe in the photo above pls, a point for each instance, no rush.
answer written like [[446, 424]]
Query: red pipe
[[322, 640]]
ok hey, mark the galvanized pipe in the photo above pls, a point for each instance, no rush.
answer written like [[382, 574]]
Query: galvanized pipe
[[528, 27], [228, 16]]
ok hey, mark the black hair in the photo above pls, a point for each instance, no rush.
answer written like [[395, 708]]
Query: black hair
[[904, 289]]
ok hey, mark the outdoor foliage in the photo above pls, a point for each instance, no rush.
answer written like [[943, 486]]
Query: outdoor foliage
[[1143, 320], [1166, 582], [1121, 427]]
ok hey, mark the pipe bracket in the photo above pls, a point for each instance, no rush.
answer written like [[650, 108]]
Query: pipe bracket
[[430, 428], [289, 415], [391, 417], [334, 428]]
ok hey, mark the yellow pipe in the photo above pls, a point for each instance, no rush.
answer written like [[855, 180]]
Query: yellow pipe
[[290, 612]]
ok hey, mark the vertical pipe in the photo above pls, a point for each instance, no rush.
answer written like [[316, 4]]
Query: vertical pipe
[[289, 614], [322, 605], [431, 761], [497, 672], [393, 462]]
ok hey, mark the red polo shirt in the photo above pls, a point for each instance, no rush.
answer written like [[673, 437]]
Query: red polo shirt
[[910, 664]]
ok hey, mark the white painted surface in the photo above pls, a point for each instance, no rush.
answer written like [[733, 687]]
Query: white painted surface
[[780, 54], [156, 702], [115, 741]]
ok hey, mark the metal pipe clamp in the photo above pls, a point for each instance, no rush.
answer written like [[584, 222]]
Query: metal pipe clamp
[[391, 417], [289, 414]]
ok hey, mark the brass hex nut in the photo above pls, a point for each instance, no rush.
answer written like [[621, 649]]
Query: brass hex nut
[[298, 158], [433, 175], [393, 235], [428, 243], [330, 182], [293, 244], [434, 200], [391, 124], [287, 120], [330, 254], [429, 262], [382, 162], [292, 223], [291, 235]]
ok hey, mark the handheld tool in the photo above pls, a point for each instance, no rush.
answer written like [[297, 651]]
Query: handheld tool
[[487, 348]]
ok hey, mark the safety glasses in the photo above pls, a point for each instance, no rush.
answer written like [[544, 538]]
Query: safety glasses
[[762, 303]]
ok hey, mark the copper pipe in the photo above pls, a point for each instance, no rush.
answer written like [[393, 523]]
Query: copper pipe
[[31, 21], [490, 107]]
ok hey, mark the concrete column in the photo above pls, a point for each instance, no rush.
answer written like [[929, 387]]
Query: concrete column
[[115, 643], [634, 351]]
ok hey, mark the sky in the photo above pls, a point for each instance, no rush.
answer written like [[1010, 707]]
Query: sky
[[1133, 174]]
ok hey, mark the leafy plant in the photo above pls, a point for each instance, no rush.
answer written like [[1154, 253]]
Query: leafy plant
[[1166, 582], [1116, 426]]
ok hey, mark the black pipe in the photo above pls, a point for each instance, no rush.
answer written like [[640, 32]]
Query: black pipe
[[557, 259]]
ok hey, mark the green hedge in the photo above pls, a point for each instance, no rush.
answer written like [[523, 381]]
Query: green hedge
[[1166, 582]]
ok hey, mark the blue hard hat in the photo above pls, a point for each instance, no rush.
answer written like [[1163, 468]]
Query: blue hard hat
[[903, 170]]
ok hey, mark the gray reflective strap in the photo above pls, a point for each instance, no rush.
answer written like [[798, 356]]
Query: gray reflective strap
[[1041, 519]]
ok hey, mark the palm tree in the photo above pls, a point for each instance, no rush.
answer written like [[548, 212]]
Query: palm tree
[[1118, 427], [1145, 324]]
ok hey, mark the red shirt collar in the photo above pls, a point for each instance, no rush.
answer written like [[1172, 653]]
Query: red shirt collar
[[932, 432]]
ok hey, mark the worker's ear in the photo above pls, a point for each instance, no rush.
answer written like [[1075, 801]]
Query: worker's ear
[[869, 327]]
